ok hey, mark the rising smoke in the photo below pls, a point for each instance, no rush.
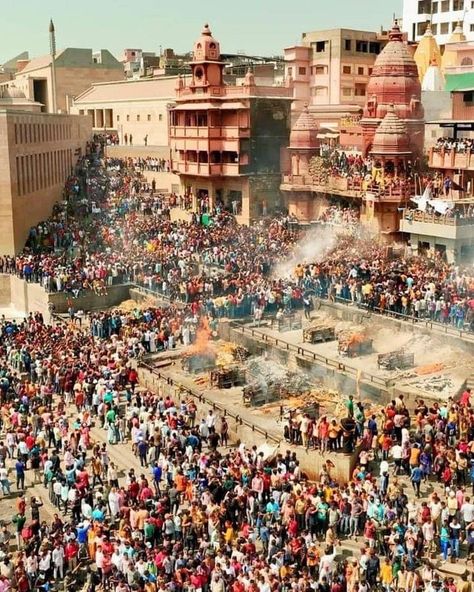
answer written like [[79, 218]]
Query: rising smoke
[[312, 247]]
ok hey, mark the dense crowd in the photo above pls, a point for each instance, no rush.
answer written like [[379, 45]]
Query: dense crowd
[[110, 231], [198, 514]]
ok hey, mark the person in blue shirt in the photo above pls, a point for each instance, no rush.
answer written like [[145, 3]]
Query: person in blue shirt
[[416, 477], [157, 474], [98, 514], [20, 474], [82, 530]]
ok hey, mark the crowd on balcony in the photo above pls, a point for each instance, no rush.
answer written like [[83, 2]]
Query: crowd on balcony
[[149, 163], [461, 145], [363, 173]]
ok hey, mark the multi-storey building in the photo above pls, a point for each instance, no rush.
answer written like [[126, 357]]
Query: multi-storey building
[[444, 16], [389, 135], [330, 70], [225, 140], [37, 153], [54, 80]]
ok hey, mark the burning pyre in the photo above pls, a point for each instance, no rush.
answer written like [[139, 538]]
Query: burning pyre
[[201, 356]]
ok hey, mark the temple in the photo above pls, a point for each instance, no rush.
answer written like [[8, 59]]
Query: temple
[[226, 140], [370, 168]]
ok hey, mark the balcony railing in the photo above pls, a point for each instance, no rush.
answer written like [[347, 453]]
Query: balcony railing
[[442, 158], [432, 218], [206, 169], [205, 132], [351, 187]]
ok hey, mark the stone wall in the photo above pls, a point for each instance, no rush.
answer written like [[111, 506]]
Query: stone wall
[[28, 297]]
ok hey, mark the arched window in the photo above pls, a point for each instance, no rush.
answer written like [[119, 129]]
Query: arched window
[[466, 62], [198, 73], [212, 45]]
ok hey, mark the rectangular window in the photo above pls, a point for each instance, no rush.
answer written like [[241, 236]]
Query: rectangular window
[[320, 46], [360, 71], [421, 28], [346, 91], [348, 44], [319, 70], [138, 117], [128, 117], [468, 97], [302, 71], [444, 5], [118, 117], [160, 117], [471, 28], [370, 71], [362, 46], [424, 7], [458, 4], [347, 69], [290, 71], [374, 47], [434, 7], [444, 28], [360, 90], [434, 28], [148, 117], [320, 91]]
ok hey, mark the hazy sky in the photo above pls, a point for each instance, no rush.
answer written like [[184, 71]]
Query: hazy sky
[[256, 26]]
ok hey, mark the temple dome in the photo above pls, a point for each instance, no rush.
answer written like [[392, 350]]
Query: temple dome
[[305, 131], [394, 80], [433, 79], [391, 137], [206, 47], [427, 52], [450, 56]]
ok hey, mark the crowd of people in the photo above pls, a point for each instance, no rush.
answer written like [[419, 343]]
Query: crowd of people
[[462, 145], [195, 514], [109, 231]]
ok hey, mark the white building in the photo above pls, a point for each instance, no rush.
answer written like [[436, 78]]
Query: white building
[[444, 15]]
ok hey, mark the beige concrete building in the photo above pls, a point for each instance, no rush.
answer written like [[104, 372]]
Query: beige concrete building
[[75, 69], [37, 153], [132, 108], [330, 71]]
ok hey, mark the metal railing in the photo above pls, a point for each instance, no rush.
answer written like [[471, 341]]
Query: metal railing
[[435, 326], [202, 399], [311, 356]]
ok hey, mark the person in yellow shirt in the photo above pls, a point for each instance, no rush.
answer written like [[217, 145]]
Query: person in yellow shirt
[[386, 574]]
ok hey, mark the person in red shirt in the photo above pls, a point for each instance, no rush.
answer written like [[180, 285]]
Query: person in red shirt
[[70, 552], [465, 399]]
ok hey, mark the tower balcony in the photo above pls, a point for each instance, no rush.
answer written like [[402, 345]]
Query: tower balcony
[[206, 169], [206, 133]]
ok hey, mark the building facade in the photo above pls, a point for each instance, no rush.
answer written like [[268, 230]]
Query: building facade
[[226, 140], [330, 70], [132, 108], [74, 71], [389, 135], [444, 15], [37, 153]]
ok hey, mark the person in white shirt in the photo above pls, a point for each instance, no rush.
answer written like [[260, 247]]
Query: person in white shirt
[[58, 561], [467, 512]]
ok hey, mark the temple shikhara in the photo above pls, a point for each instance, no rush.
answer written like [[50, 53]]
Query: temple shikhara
[[389, 135]]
